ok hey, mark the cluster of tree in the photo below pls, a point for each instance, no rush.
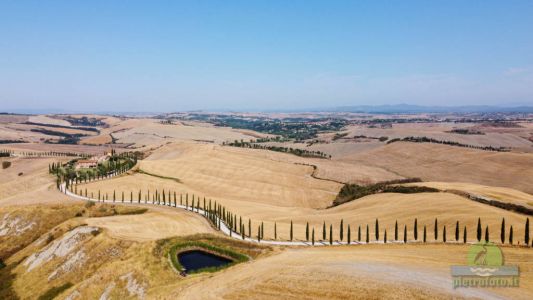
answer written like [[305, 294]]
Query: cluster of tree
[[6, 153], [12, 141], [92, 129], [381, 138], [296, 129], [466, 131], [115, 165], [351, 191], [65, 138], [339, 136], [295, 151], [424, 139], [52, 154], [84, 121]]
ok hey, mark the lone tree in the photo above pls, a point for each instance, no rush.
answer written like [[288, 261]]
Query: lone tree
[[396, 230], [526, 234], [416, 230], [436, 229], [377, 230], [425, 233], [479, 229], [330, 234], [487, 234], [349, 237], [456, 231], [341, 230], [275, 231], [511, 235], [291, 232], [502, 231]]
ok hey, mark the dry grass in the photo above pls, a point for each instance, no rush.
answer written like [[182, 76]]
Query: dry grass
[[360, 272], [154, 225], [506, 195], [269, 191], [433, 162]]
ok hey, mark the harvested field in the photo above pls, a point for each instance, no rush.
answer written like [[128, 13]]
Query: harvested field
[[506, 195], [360, 272], [47, 120], [433, 162], [151, 226], [265, 190], [441, 131]]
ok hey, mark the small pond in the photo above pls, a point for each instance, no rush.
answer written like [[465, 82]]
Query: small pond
[[197, 259]]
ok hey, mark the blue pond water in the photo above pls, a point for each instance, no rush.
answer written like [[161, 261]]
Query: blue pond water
[[197, 259]]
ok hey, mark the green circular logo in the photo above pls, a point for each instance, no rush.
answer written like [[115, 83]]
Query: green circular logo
[[485, 254]]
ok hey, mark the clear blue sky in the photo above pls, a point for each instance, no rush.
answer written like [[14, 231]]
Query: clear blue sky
[[177, 55]]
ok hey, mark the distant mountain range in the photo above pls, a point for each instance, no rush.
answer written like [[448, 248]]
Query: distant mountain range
[[407, 108]]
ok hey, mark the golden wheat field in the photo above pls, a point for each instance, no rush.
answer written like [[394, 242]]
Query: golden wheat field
[[270, 191]]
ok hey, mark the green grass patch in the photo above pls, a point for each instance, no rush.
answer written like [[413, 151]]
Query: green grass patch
[[55, 291], [197, 245], [158, 176]]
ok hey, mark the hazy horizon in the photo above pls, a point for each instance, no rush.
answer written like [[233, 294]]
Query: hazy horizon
[[165, 56]]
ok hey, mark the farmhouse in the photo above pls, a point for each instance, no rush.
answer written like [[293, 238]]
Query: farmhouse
[[86, 163]]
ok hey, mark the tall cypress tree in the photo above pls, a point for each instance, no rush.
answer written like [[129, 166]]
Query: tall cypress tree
[[457, 231], [425, 234], [275, 231], [502, 231], [349, 237], [359, 234], [367, 234], [307, 232], [396, 230], [416, 229], [341, 230], [313, 237], [291, 231], [330, 234], [487, 234], [377, 230], [526, 234], [249, 228], [436, 229], [385, 237], [324, 231], [444, 234], [404, 234], [479, 229], [511, 235], [464, 235]]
